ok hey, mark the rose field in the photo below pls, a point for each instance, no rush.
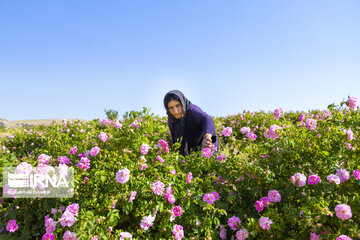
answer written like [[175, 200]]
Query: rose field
[[277, 175]]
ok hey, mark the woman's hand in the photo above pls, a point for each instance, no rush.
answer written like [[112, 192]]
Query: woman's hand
[[207, 142]]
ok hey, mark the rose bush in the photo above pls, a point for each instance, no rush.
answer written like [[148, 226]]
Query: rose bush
[[271, 186]]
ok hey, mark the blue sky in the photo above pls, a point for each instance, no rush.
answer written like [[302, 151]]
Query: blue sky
[[73, 59]]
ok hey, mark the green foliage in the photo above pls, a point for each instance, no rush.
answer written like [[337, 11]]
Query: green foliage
[[111, 114], [250, 170]]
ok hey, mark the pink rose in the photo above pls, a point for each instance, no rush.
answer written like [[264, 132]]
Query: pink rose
[[147, 222], [245, 130], [343, 174], [189, 177], [24, 168], [227, 131], [259, 206], [64, 160], [265, 223], [178, 232], [44, 159], [94, 151], [125, 235], [144, 149], [123, 175], [209, 198], [343, 211], [69, 235], [343, 237], [333, 178], [177, 210], [313, 179], [11, 226], [300, 179], [67, 219], [132, 196], [207, 152], [242, 234], [158, 188], [356, 174], [73, 150], [234, 223], [311, 124], [103, 136], [274, 196], [352, 102], [48, 236], [278, 112]]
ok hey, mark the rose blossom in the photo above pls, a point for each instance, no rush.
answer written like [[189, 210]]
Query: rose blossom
[[333, 178], [313, 179], [63, 160], [73, 208], [265, 223], [343, 237], [44, 159], [177, 210], [301, 118], [343, 211], [234, 223], [11, 226], [343, 174], [73, 150], [160, 159], [311, 124], [245, 130], [227, 131], [48, 236], [158, 188], [314, 236], [24, 168], [274, 196], [189, 177], [178, 232], [278, 112], [144, 149], [123, 175], [125, 235], [147, 222], [132, 196], [221, 158], [352, 102], [209, 198], [272, 132], [222, 232], [67, 219], [242, 234], [94, 151], [207, 152], [251, 136], [349, 134], [103, 136], [259, 206], [69, 235], [300, 179], [265, 201], [356, 174]]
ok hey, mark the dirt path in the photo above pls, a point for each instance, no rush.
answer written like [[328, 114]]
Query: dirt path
[[21, 123]]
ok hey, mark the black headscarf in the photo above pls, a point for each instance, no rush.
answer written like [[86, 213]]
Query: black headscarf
[[177, 126]]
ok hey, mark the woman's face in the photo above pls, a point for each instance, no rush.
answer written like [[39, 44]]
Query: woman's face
[[176, 109]]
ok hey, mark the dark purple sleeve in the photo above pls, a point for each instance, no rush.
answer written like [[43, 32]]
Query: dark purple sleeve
[[206, 121]]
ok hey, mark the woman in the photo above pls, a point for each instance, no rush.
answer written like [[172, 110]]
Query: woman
[[189, 124]]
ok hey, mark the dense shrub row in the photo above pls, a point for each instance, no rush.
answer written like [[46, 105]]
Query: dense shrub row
[[277, 175]]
